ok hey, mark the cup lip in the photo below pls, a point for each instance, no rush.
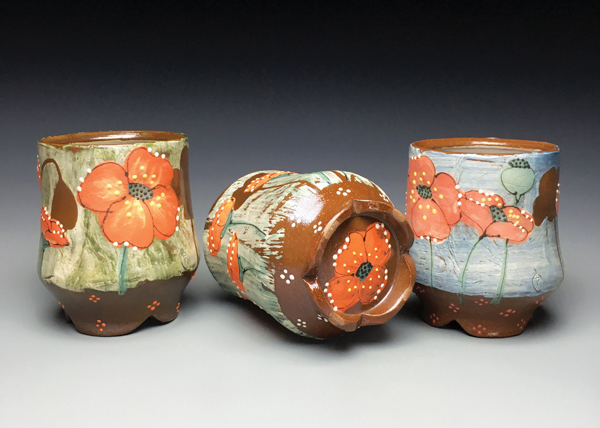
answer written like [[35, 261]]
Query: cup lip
[[100, 137], [442, 144]]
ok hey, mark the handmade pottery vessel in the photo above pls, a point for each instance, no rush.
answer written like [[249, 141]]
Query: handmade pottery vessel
[[484, 214], [118, 243], [323, 253]]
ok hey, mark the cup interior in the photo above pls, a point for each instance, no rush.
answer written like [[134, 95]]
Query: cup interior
[[485, 146], [110, 138]]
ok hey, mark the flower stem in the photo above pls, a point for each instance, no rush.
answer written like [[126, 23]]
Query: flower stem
[[431, 265], [463, 275], [500, 289], [43, 245], [244, 223], [122, 270], [325, 178]]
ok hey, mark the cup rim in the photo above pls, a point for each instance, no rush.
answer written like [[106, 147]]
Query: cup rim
[[115, 137], [454, 146]]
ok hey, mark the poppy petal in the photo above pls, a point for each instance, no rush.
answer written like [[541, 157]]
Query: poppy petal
[[44, 221], [350, 255], [148, 168], [103, 186], [506, 230], [445, 193], [223, 212], [233, 263], [163, 207], [342, 292], [411, 200], [52, 230], [129, 221], [516, 229], [373, 284], [421, 171], [475, 214], [377, 244], [428, 220], [484, 198], [219, 222], [55, 235], [263, 179]]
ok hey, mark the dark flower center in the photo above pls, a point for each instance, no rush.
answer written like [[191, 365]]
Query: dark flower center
[[519, 163], [497, 214], [364, 270], [424, 191], [139, 191]]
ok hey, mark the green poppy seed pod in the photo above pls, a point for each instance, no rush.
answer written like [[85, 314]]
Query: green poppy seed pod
[[518, 178]]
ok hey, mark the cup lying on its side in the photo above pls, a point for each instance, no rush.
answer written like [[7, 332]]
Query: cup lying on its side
[[322, 253]]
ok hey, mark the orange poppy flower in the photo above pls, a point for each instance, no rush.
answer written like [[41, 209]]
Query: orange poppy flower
[[488, 213], [134, 201], [360, 272], [431, 200], [262, 180], [233, 262], [217, 229], [52, 230]]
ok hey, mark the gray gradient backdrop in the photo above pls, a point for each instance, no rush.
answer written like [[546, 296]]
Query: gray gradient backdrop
[[324, 87]]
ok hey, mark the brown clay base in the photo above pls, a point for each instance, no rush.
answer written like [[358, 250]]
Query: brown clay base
[[100, 313], [476, 315]]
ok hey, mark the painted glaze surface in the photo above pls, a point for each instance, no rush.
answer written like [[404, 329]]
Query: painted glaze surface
[[485, 225], [90, 259], [276, 238], [115, 216]]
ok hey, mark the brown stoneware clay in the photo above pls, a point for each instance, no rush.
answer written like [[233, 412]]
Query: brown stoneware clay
[[117, 243], [323, 253], [484, 214]]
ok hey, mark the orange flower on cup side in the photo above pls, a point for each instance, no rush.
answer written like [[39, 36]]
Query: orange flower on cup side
[[135, 201], [431, 200], [233, 262], [263, 179], [52, 230], [360, 272], [217, 228], [488, 213]]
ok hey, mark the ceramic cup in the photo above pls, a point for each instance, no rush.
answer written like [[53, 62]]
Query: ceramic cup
[[323, 253], [118, 243], [484, 214]]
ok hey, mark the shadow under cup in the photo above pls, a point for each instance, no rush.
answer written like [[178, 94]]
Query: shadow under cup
[[118, 242], [484, 214]]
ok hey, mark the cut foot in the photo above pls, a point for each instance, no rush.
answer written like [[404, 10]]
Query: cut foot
[[476, 315]]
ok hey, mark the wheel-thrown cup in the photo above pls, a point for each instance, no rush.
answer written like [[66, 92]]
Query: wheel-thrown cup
[[323, 253], [118, 243], [484, 214]]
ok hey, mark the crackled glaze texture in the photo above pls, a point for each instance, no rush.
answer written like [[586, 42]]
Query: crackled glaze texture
[[484, 214], [117, 243], [323, 253]]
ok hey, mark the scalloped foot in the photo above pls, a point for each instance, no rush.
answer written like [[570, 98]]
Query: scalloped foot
[[476, 315], [98, 313]]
